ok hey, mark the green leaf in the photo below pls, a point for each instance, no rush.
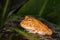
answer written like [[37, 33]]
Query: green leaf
[[4, 13], [33, 7], [16, 4], [19, 31], [52, 12], [43, 7], [11, 36]]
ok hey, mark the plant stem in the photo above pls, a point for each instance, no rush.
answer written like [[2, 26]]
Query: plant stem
[[11, 36], [21, 32], [4, 13], [43, 7]]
